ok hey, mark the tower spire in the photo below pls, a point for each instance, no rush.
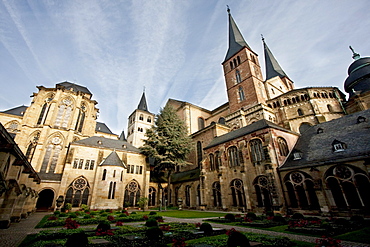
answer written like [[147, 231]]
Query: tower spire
[[273, 68], [355, 55], [142, 104], [236, 40]]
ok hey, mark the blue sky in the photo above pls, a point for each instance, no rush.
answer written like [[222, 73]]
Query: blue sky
[[172, 48]]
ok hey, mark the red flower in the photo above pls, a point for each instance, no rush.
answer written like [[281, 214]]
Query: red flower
[[165, 228], [159, 220], [145, 217], [100, 232], [71, 224], [119, 223], [52, 218], [110, 218], [229, 232], [198, 224], [178, 242]]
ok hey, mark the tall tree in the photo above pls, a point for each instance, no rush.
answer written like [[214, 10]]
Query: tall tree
[[167, 142]]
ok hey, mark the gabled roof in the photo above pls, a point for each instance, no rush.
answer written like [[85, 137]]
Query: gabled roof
[[316, 146], [236, 40], [18, 111], [273, 68], [102, 127], [259, 125], [142, 104], [102, 142], [113, 160], [75, 87]]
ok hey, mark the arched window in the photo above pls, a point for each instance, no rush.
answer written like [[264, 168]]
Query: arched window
[[301, 191], [212, 162], [231, 65], [235, 62], [32, 146], [141, 117], [112, 190], [132, 194], [152, 196], [238, 77], [221, 120], [262, 186], [330, 108], [78, 192], [256, 151], [237, 192], [12, 127], [187, 195], [104, 174], [81, 118], [199, 197], [233, 156], [283, 146], [216, 191], [149, 119], [51, 157], [45, 109], [64, 113], [300, 112], [121, 176], [218, 161], [199, 153], [200, 123], [241, 94], [238, 59]]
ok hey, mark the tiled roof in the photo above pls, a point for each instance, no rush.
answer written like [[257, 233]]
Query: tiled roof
[[102, 142], [18, 111], [316, 144], [113, 160]]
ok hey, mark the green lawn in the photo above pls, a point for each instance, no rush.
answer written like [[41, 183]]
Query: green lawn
[[185, 214]]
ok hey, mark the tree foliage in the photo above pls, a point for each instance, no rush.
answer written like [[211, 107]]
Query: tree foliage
[[167, 140]]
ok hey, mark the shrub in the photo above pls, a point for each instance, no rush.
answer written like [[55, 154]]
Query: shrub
[[251, 215], [87, 217], [62, 215], [56, 212], [103, 226], [279, 219], [327, 241], [297, 216], [207, 228], [68, 206], [145, 217], [108, 210], [52, 218], [84, 207], [122, 215], [133, 212], [154, 233], [119, 223], [230, 217], [71, 224], [237, 239], [72, 215], [77, 239], [110, 218], [104, 214], [152, 213], [151, 222]]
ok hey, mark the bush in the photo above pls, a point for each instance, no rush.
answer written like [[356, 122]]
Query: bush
[[103, 226], [297, 216], [237, 239], [77, 239], [108, 210], [152, 213], [151, 222], [279, 219], [133, 213], [251, 215], [62, 215], [56, 213], [154, 233], [72, 215], [84, 207], [230, 217], [71, 224], [270, 214], [207, 228], [87, 217], [122, 215]]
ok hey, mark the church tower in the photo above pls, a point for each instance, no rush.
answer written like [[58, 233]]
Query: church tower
[[138, 122], [242, 71]]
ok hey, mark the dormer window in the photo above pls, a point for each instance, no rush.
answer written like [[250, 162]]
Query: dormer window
[[297, 155], [338, 146], [361, 119], [320, 130]]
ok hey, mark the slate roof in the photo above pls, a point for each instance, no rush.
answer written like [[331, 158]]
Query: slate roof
[[113, 160], [142, 104], [186, 175], [103, 142], [75, 87], [259, 125], [102, 127], [236, 40], [317, 149], [18, 111], [273, 68]]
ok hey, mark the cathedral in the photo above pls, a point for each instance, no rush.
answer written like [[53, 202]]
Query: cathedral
[[270, 147]]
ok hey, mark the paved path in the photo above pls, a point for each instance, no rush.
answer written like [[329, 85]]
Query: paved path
[[14, 235]]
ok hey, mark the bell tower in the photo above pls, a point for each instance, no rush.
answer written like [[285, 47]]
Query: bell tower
[[242, 71]]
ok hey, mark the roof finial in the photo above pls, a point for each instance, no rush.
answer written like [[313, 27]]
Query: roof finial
[[144, 89], [263, 39], [228, 9], [355, 55]]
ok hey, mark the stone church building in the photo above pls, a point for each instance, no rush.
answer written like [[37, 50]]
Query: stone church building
[[270, 147]]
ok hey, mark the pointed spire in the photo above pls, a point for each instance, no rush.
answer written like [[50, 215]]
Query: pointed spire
[[142, 104], [355, 55], [122, 137], [236, 40], [272, 66]]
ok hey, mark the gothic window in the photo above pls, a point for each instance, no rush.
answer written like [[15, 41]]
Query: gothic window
[[121, 176], [221, 120], [238, 59], [187, 195], [300, 112], [216, 191], [32, 146], [132, 193], [212, 162], [152, 196], [338, 146], [149, 119], [199, 198], [104, 174], [241, 94], [45, 110], [200, 123], [218, 162], [256, 151], [293, 100], [330, 108], [349, 187], [53, 148], [199, 153], [283, 146], [238, 77], [81, 118], [263, 192], [112, 190], [80, 164], [92, 162], [87, 164], [12, 127], [235, 62], [233, 156], [64, 113], [114, 173], [75, 163], [141, 117], [237, 192], [301, 191], [78, 192]]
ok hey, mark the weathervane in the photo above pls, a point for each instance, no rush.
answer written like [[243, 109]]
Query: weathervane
[[263, 39], [355, 55], [228, 9]]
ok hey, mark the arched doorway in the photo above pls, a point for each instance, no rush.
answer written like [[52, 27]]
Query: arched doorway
[[45, 201]]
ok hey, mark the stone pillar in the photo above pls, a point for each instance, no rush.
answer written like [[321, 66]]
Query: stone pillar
[[7, 207]]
